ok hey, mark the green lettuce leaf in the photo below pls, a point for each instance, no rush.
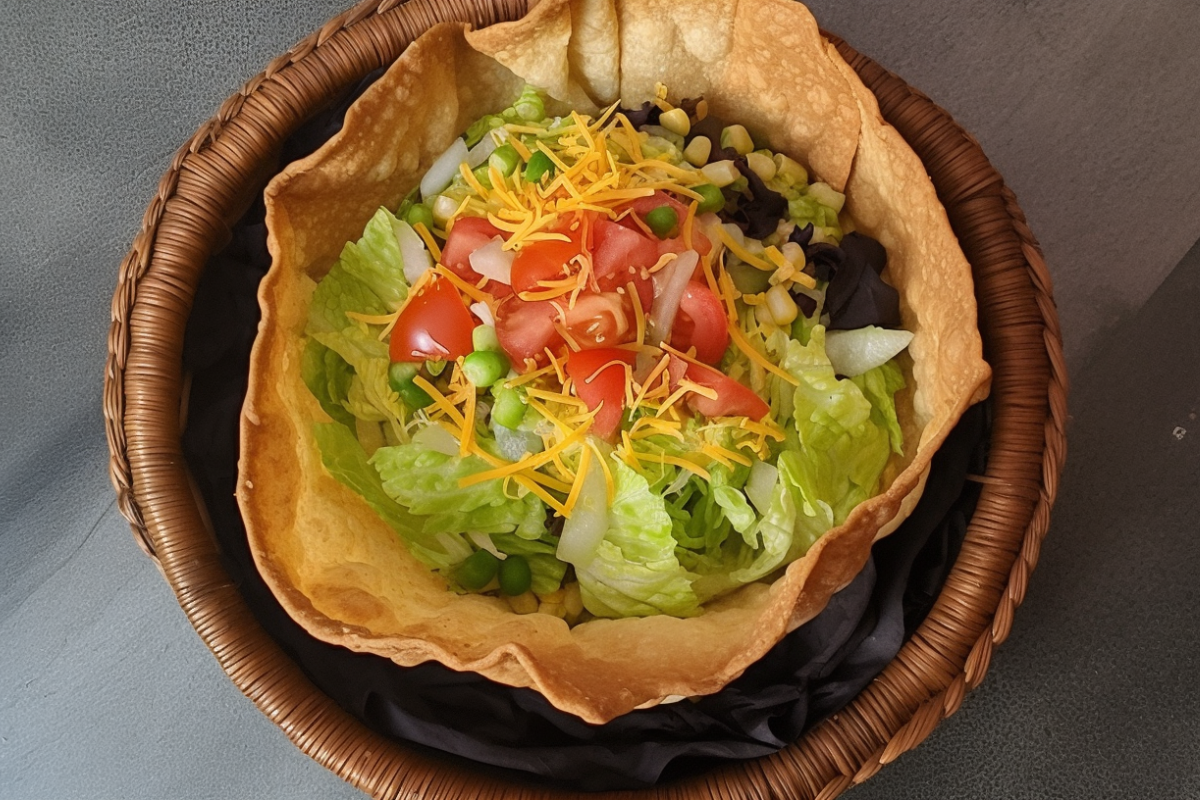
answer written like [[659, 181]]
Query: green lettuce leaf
[[369, 396], [838, 452], [345, 459], [879, 385], [375, 260], [426, 482], [328, 377], [635, 572]]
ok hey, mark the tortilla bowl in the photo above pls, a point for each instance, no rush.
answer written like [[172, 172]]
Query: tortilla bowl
[[344, 575]]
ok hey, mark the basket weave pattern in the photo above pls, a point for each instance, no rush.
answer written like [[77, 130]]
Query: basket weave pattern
[[209, 183]]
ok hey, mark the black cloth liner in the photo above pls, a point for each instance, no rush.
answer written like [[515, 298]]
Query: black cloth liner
[[810, 674]]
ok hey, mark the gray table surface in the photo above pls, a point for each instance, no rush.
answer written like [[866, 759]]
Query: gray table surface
[[1089, 109]]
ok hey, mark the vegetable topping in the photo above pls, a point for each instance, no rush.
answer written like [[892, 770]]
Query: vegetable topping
[[594, 350]]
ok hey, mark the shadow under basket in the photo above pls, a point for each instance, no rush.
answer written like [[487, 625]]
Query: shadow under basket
[[215, 176]]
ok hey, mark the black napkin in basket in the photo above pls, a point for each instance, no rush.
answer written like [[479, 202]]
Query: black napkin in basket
[[810, 674]]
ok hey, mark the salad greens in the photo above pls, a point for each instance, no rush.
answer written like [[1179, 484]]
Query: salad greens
[[669, 481]]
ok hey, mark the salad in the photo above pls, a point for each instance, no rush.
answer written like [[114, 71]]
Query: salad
[[611, 367]]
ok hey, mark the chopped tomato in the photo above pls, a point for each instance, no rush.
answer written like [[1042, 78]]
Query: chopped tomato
[[644, 205], [548, 260], [617, 248], [541, 261], [466, 236], [599, 320], [701, 323], [601, 386], [620, 257], [433, 325], [732, 400], [700, 244], [619, 282], [525, 329]]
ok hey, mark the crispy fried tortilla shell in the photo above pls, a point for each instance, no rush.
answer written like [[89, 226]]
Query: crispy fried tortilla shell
[[343, 574]]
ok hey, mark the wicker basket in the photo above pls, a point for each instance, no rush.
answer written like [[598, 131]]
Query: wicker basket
[[210, 182]]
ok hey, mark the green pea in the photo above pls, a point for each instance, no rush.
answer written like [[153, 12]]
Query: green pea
[[477, 570], [436, 366], [483, 337], [414, 396], [400, 373], [508, 409], [713, 200], [485, 367], [505, 159], [515, 576], [662, 220], [539, 165], [420, 213]]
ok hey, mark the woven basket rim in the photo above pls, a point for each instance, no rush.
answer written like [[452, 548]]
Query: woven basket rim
[[156, 282]]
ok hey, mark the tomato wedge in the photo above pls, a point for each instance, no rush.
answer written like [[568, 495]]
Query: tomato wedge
[[732, 400], [701, 323], [618, 248], [525, 329], [547, 260], [541, 261], [466, 236], [606, 387], [433, 325], [620, 257], [599, 320], [644, 205]]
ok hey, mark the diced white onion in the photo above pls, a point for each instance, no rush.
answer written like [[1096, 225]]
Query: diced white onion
[[493, 261], [442, 171], [584, 530], [454, 546], [482, 149], [484, 542], [412, 251], [855, 352], [761, 485], [436, 438], [669, 284], [484, 313]]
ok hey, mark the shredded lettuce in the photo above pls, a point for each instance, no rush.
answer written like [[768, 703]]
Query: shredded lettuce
[[345, 459], [672, 539], [328, 377], [426, 482], [839, 452], [635, 572]]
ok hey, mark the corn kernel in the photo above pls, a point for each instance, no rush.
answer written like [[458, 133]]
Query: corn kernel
[[443, 208], [737, 137], [721, 173], [761, 165], [553, 610], [523, 603], [790, 170], [763, 314], [698, 151], [781, 305], [676, 121], [794, 253], [573, 600], [701, 109]]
